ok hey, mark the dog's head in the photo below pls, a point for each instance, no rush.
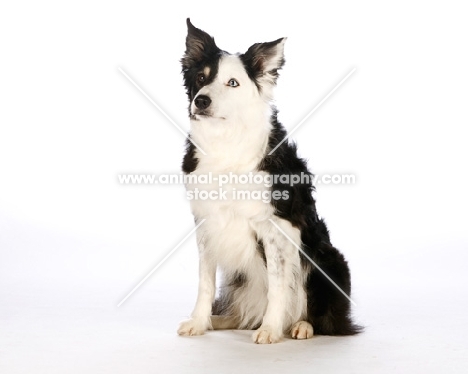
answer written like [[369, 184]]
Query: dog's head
[[223, 86]]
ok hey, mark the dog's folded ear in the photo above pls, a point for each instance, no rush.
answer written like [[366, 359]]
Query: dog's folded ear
[[199, 46], [263, 60]]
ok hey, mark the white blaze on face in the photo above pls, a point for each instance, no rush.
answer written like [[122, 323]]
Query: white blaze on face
[[230, 103], [235, 131]]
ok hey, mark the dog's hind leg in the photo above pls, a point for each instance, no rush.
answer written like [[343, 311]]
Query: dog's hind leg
[[302, 330]]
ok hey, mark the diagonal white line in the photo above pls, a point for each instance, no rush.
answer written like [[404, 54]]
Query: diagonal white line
[[312, 111], [161, 262], [312, 261], [162, 111]]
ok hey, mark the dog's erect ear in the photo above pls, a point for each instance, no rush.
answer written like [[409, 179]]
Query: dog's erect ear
[[263, 60], [199, 45]]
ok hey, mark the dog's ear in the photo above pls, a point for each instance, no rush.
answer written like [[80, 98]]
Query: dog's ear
[[263, 60], [199, 45]]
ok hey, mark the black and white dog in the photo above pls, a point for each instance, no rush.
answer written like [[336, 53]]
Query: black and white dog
[[268, 284]]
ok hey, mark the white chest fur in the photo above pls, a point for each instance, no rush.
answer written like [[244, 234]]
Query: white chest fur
[[233, 199]]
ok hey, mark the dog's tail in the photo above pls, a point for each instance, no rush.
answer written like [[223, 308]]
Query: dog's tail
[[329, 325], [329, 311]]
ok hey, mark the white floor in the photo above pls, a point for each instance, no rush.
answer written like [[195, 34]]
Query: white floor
[[55, 325]]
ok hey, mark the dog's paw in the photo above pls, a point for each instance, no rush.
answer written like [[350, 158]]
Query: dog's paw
[[302, 330], [266, 335], [192, 327]]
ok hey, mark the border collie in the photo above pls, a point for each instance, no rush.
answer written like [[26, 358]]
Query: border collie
[[268, 251]]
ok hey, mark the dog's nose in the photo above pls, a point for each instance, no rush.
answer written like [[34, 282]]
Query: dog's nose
[[202, 102]]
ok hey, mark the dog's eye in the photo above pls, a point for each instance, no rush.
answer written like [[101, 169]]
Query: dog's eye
[[201, 78], [233, 83]]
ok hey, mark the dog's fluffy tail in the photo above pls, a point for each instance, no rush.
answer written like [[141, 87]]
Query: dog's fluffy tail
[[329, 311], [328, 325]]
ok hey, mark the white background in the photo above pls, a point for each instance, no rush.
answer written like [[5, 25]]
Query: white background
[[73, 242]]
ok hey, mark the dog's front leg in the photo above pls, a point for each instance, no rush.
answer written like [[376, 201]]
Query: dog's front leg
[[200, 319], [278, 253]]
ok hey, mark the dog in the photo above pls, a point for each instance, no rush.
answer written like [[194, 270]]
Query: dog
[[279, 272]]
